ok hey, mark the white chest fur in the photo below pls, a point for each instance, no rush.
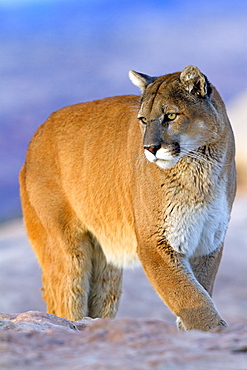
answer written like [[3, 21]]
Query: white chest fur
[[197, 230]]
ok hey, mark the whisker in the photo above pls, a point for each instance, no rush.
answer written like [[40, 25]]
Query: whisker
[[140, 159], [206, 159]]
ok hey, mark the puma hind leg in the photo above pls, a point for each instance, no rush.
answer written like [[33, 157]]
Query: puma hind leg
[[77, 280], [66, 282], [66, 268], [83, 284], [106, 286]]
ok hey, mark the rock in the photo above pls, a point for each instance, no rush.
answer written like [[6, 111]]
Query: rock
[[34, 340], [38, 321]]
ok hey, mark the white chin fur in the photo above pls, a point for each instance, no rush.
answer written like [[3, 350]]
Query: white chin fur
[[166, 164], [150, 156], [162, 158]]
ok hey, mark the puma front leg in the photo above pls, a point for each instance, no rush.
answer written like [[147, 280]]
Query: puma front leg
[[206, 267], [172, 277]]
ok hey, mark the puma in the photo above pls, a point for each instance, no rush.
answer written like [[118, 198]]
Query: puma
[[112, 182]]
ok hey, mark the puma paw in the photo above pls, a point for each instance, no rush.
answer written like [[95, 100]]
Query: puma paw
[[199, 319]]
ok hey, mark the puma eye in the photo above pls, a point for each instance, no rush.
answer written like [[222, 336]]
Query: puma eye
[[171, 116], [143, 120]]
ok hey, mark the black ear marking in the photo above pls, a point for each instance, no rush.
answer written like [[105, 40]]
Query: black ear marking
[[195, 82]]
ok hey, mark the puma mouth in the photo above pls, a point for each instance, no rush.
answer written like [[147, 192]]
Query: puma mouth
[[164, 158]]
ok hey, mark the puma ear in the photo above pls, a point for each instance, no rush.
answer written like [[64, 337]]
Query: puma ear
[[195, 82], [141, 80]]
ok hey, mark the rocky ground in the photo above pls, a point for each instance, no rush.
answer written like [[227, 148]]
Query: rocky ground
[[35, 340], [143, 336]]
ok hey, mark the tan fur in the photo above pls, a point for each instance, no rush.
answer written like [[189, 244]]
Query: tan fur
[[94, 204]]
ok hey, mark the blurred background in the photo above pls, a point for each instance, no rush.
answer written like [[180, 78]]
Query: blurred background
[[59, 52]]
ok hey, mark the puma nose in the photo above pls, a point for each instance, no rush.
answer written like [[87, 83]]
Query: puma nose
[[153, 148]]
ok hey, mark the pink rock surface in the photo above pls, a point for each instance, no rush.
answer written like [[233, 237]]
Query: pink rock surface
[[35, 340]]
